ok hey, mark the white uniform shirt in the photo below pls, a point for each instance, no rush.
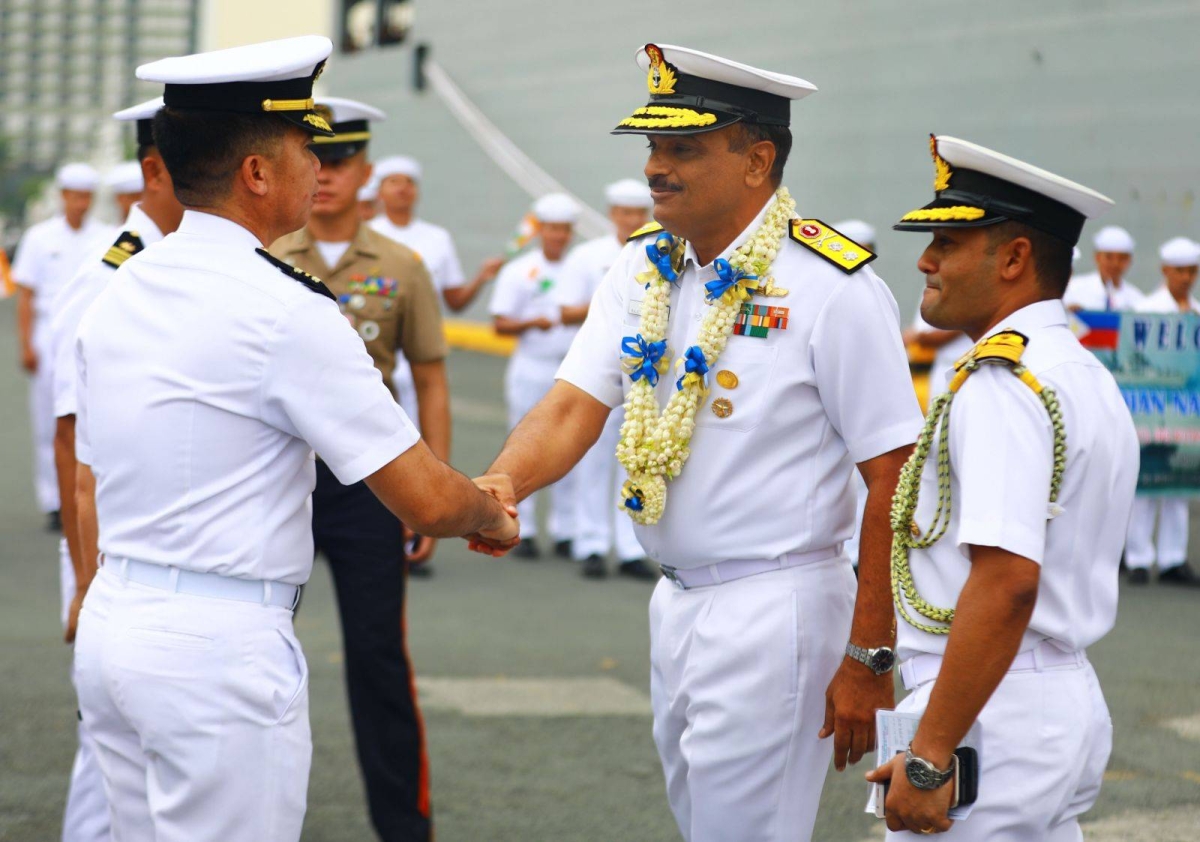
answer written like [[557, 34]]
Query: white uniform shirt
[[1001, 461], [585, 268], [207, 379], [73, 301], [1161, 301], [945, 357], [432, 243], [1088, 292], [831, 390], [525, 290], [49, 255]]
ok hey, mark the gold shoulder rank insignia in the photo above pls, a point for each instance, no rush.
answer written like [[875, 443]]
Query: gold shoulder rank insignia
[[1003, 348], [648, 228], [310, 281], [835, 247], [126, 246]]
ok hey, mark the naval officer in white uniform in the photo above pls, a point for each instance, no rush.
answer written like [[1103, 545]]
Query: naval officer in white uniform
[[209, 372], [1002, 590], [1180, 259], [599, 525], [776, 353], [1107, 288]]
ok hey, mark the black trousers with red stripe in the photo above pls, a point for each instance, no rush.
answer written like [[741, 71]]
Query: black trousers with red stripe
[[363, 542]]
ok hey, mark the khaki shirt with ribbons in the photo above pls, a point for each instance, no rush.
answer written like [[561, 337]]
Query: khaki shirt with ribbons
[[384, 291]]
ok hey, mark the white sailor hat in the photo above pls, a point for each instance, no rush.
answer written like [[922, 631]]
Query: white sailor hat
[[1113, 238], [556, 207], [975, 186], [275, 77], [857, 230], [693, 92], [143, 113], [125, 177], [351, 123], [77, 176], [398, 165], [628, 193], [1180, 251], [369, 192]]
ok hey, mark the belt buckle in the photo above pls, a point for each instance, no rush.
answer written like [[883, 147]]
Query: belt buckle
[[670, 575]]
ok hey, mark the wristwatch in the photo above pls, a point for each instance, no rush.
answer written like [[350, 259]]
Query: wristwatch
[[879, 660], [924, 775]]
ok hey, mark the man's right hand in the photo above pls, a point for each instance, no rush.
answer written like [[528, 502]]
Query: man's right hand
[[29, 360], [499, 542], [541, 323]]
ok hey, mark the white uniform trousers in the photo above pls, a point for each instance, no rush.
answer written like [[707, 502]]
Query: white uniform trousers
[[43, 422], [1045, 740], [599, 522], [738, 674], [199, 709], [1171, 551], [526, 381]]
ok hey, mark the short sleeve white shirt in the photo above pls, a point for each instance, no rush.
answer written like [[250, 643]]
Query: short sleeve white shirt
[[584, 269], [432, 243], [812, 399], [49, 255], [73, 301], [1089, 292], [525, 289], [207, 378], [1001, 461], [1161, 301]]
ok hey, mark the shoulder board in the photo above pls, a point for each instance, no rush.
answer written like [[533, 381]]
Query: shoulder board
[[313, 283], [126, 246], [1006, 347], [835, 247], [649, 228]]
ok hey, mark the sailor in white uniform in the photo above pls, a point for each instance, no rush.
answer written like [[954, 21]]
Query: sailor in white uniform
[[599, 525], [1107, 288], [1010, 516], [759, 362], [208, 372], [1180, 258]]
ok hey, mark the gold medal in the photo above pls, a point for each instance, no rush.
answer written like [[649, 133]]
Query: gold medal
[[722, 407], [727, 379]]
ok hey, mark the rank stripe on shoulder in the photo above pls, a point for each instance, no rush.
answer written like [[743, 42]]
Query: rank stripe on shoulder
[[312, 282], [127, 245], [649, 228], [830, 244]]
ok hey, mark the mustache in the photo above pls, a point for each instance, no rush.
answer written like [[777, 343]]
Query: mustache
[[660, 182]]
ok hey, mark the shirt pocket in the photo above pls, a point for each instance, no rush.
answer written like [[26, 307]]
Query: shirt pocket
[[752, 362]]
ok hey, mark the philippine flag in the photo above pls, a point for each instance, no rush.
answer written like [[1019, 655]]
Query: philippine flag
[[1097, 329]]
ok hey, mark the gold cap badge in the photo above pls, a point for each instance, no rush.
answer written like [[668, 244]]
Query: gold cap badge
[[661, 78], [941, 168]]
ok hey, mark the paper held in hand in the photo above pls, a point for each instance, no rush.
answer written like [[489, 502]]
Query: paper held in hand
[[893, 732]]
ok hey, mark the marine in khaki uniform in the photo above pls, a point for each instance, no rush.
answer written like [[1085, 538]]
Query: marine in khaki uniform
[[385, 292]]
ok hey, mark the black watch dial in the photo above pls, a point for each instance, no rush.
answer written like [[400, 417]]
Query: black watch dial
[[882, 660]]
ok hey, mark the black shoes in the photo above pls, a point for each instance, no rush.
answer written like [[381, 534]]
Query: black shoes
[[527, 550], [637, 569], [593, 567], [54, 521], [1139, 576], [1180, 575], [562, 549]]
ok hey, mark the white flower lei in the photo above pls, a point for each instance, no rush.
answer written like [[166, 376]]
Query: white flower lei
[[654, 446]]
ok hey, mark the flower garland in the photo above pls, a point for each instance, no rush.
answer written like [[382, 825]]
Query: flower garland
[[654, 445]]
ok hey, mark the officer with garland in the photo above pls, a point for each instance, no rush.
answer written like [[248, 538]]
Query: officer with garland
[[1005, 553], [758, 358]]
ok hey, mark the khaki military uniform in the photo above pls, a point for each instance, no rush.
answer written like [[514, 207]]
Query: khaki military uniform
[[383, 289]]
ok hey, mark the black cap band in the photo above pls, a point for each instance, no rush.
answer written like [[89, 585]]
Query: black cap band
[[1011, 201], [145, 132], [752, 106]]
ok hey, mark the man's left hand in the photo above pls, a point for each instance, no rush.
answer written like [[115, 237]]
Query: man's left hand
[[909, 808], [850, 704]]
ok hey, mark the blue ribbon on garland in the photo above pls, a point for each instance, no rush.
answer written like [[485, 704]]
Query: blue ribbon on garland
[[659, 254], [643, 357], [727, 278], [693, 364]]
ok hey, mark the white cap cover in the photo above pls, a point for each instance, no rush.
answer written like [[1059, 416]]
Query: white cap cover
[[77, 176], [628, 193], [398, 165], [126, 177], [1180, 251], [556, 207], [1113, 238]]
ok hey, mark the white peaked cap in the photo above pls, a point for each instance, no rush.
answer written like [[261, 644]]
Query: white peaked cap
[[125, 177], [857, 230], [628, 193], [269, 61], [398, 165], [345, 110], [142, 111], [717, 69], [1113, 238], [1180, 251], [77, 176], [556, 207]]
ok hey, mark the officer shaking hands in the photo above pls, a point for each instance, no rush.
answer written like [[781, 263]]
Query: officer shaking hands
[[208, 373]]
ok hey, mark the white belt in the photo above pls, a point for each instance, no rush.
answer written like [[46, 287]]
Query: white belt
[[921, 669], [212, 585], [728, 571]]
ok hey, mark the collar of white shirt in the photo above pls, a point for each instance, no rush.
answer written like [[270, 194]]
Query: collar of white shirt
[[1033, 317], [690, 255], [138, 222], [212, 227]]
